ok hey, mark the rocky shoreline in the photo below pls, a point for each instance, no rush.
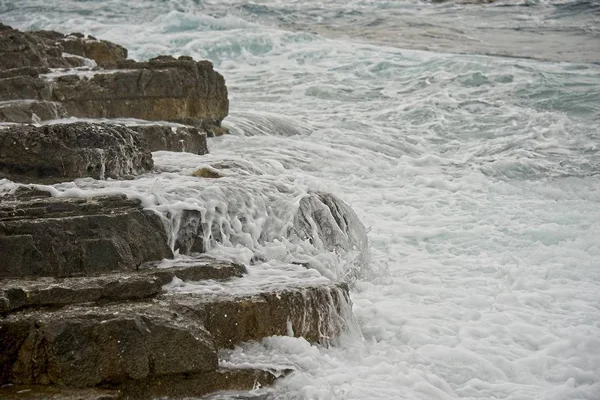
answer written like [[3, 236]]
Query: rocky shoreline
[[85, 310]]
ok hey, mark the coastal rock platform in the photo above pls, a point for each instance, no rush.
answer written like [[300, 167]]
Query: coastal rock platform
[[101, 298]]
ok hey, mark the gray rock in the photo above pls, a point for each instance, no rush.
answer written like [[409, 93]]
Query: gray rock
[[146, 282], [30, 111], [39, 392], [189, 237], [69, 151], [46, 48], [49, 292], [197, 269], [330, 224], [25, 87], [20, 49], [194, 385], [104, 53], [87, 346], [72, 236], [317, 313], [162, 89], [161, 137], [161, 347]]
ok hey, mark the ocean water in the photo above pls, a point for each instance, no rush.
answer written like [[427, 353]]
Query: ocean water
[[466, 138]]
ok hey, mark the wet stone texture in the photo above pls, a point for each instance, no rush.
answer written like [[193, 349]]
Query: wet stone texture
[[46, 75], [182, 138], [75, 333], [84, 347], [89, 305], [63, 237], [69, 151]]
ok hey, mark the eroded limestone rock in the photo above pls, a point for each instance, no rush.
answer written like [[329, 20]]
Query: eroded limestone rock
[[318, 313], [162, 89], [69, 151], [181, 138], [47, 75], [82, 346], [47, 49], [75, 236], [28, 111], [50, 292]]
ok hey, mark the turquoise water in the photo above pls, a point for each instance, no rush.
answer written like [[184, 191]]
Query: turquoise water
[[465, 137]]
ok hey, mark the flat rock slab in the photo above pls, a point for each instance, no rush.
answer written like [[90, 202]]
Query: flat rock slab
[[173, 138], [163, 89], [63, 237], [42, 392], [194, 385], [164, 346], [30, 111], [200, 268], [319, 313], [172, 386], [47, 49], [139, 284], [82, 346], [50, 292], [69, 151]]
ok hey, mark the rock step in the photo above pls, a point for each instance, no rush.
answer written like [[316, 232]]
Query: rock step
[[173, 138], [63, 237], [30, 111], [134, 285], [317, 313], [169, 338], [43, 392], [173, 387], [194, 385], [162, 89], [63, 152]]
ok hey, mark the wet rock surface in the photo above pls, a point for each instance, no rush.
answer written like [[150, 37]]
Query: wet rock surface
[[51, 49], [69, 151], [46, 66], [50, 292], [106, 327], [194, 385], [46, 392], [76, 236], [77, 333], [168, 138], [162, 89], [92, 304], [189, 238], [46, 75], [199, 268], [28, 111], [82, 346], [316, 313]]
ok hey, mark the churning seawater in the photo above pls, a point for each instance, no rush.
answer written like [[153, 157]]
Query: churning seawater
[[477, 176]]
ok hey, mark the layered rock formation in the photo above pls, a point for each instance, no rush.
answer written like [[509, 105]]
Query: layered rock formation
[[46, 75], [72, 236], [70, 151], [92, 303], [46, 49], [123, 333]]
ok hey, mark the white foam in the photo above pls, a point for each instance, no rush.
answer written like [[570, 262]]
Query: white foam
[[478, 178]]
